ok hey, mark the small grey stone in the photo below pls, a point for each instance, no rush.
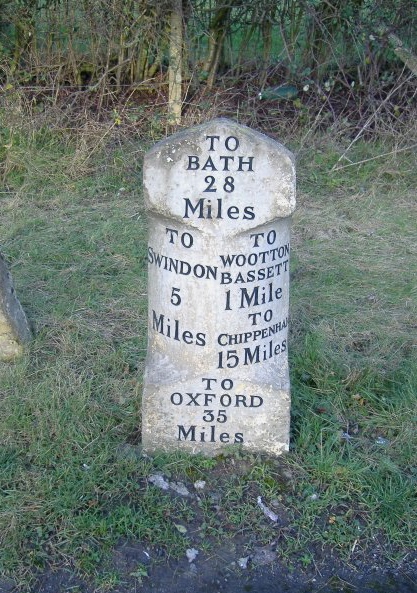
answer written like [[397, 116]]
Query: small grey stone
[[263, 556], [14, 326], [179, 488], [191, 554], [159, 481], [199, 485]]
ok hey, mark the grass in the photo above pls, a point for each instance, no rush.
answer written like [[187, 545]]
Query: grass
[[73, 481]]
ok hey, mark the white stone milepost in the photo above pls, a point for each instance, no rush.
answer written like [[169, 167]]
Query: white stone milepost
[[219, 197]]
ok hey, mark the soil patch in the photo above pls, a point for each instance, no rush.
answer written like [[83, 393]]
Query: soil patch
[[138, 568]]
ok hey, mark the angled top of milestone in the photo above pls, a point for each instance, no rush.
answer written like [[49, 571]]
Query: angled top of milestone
[[215, 162]]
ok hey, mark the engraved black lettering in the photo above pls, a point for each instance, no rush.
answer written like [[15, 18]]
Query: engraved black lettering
[[249, 213], [171, 329], [226, 160], [193, 209], [193, 163], [209, 165], [184, 435], [212, 139], [248, 162], [231, 143]]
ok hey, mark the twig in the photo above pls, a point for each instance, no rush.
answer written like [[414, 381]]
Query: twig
[[369, 120], [379, 156]]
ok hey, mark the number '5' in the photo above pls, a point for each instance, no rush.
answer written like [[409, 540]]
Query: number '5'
[[175, 297]]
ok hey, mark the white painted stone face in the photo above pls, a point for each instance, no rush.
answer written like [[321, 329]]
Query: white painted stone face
[[219, 198]]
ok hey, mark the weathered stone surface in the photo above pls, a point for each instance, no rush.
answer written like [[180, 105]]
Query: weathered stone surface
[[14, 327], [219, 197]]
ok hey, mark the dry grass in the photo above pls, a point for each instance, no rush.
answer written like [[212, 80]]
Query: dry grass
[[74, 232]]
